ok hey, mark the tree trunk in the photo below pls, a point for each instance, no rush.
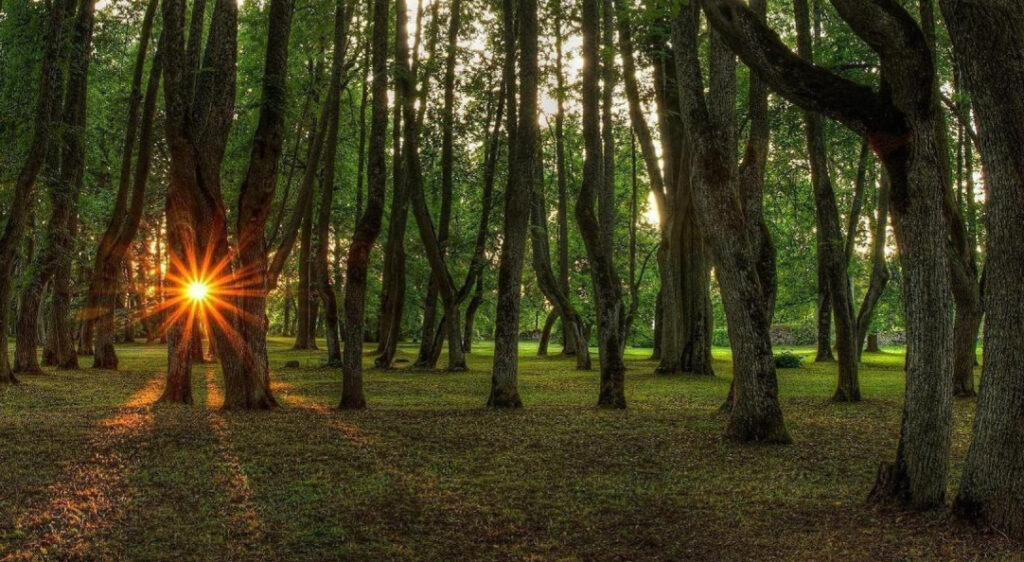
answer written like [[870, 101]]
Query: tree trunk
[[711, 129], [369, 225], [991, 53], [305, 314], [471, 309], [832, 262], [879, 268], [607, 289], [98, 311], [523, 138], [323, 272], [569, 343], [103, 286], [51, 82], [392, 297]]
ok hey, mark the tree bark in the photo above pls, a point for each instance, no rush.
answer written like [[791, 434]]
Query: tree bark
[[369, 225], [832, 262], [51, 82], [523, 138], [879, 268], [991, 53], [392, 297], [568, 342], [607, 289], [99, 307], [711, 128], [323, 273]]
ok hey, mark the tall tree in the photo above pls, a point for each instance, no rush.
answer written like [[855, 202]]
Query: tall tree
[[51, 78], [607, 287], [898, 121], [832, 262], [52, 264], [369, 225], [990, 49], [710, 125], [523, 139], [323, 221], [128, 204]]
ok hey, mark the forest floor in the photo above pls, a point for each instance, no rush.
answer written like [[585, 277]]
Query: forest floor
[[91, 469]]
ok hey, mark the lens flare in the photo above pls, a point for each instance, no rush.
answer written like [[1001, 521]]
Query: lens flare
[[197, 291]]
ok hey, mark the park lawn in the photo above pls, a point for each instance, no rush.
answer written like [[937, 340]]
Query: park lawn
[[90, 468]]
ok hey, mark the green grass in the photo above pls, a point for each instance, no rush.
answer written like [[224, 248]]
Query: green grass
[[89, 468]]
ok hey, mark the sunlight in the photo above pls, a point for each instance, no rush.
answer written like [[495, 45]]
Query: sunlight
[[198, 291]]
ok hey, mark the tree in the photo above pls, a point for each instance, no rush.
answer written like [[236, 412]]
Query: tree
[[607, 287], [991, 53], [128, 206], [369, 225], [898, 122], [322, 271], [51, 78], [523, 142], [832, 261], [711, 132]]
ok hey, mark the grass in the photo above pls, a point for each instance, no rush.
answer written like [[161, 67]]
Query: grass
[[91, 469]]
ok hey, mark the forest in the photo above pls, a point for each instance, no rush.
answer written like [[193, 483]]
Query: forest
[[512, 279]]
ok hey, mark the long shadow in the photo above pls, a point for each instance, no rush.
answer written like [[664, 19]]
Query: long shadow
[[91, 493]]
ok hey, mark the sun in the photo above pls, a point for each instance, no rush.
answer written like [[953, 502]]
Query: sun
[[197, 291]]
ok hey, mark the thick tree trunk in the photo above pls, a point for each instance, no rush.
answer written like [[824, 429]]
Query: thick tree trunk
[[832, 262], [988, 45], [48, 105], [607, 289], [369, 225], [711, 128]]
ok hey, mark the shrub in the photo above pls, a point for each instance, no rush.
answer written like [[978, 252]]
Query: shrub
[[788, 360]]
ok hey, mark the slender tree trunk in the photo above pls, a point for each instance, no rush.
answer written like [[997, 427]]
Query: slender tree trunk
[[607, 289], [523, 138], [569, 343], [392, 298], [98, 310], [471, 309], [306, 311], [369, 225], [322, 269], [832, 268], [103, 286], [991, 53], [879, 268]]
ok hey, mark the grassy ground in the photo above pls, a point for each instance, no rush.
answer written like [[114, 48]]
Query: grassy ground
[[89, 468]]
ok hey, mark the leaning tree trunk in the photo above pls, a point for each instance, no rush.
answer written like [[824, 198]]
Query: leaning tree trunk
[[832, 262], [369, 225], [879, 269], [103, 286], [900, 126], [322, 270], [103, 283], [711, 129], [986, 39]]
